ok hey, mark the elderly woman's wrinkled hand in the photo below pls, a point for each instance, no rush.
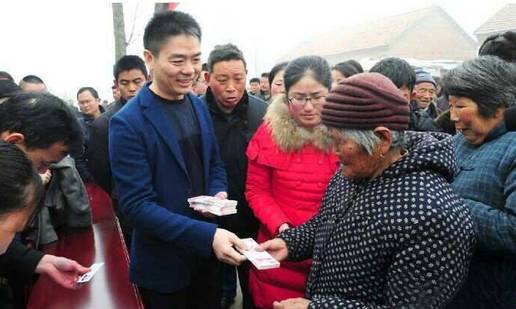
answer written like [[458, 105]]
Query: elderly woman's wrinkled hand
[[292, 303], [276, 247]]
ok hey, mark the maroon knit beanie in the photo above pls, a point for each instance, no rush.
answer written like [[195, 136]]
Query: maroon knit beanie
[[366, 101]]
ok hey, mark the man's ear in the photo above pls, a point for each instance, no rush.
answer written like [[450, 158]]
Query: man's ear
[[207, 77], [12, 137], [148, 57]]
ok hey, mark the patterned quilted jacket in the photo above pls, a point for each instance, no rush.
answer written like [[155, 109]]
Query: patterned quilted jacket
[[401, 240]]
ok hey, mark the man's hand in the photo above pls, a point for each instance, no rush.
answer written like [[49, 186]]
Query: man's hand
[[46, 176], [276, 247], [62, 270], [222, 195], [223, 243], [292, 303]]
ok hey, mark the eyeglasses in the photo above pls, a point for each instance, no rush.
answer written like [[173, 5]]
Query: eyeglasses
[[302, 100]]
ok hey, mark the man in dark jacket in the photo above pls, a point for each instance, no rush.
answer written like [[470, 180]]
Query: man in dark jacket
[[162, 150], [45, 129], [236, 115], [130, 75], [90, 109]]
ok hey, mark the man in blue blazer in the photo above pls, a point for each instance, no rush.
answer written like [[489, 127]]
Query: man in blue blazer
[[163, 151]]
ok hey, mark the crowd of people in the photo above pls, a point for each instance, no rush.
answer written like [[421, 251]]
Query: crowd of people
[[386, 188]]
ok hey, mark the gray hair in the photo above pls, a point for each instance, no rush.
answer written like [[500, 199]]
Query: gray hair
[[488, 80], [367, 139]]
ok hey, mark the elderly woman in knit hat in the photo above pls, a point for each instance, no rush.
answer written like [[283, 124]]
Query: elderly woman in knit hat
[[391, 233]]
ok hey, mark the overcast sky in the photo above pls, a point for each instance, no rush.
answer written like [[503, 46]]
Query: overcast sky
[[70, 43]]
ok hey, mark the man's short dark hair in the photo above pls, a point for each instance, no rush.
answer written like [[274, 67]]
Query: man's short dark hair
[[8, 88], [265, 74], [224, 52], [5, 75], [33, 79], [127, 63], [43, 119], [254, 80], [92, 90], [397, 70], [165, 24]]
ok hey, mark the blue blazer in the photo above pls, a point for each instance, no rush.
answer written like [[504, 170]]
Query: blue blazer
[[153, 185]]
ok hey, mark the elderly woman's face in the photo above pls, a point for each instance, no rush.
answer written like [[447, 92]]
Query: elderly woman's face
[[468, 121], [305, 100], [355, 162]]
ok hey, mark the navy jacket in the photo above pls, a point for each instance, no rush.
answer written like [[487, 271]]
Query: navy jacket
[[153, 185]]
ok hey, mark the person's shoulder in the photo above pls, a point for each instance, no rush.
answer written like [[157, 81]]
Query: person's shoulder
[[508, 138], [257, 103], [101, 121], [505, 144]]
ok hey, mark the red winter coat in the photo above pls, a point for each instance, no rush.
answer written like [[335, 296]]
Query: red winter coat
[[284, 187]]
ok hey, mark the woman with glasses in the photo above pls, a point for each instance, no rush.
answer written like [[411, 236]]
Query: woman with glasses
[[290, 164]]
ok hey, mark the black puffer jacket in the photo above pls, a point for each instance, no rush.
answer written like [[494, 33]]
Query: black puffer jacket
[[233, 132], [401, 240]]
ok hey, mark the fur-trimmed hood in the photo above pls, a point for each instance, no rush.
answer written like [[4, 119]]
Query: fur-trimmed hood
[[287, 134]]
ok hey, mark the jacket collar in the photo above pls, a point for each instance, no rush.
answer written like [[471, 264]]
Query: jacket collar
[[498, 131]]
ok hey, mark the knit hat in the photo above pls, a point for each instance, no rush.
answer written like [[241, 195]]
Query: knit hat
[[366, 101], [423, 76]]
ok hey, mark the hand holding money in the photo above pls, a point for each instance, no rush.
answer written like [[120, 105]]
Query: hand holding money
[[223, 247], [276, 247]]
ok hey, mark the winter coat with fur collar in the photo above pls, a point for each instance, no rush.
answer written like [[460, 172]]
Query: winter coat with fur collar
[[288, 171]]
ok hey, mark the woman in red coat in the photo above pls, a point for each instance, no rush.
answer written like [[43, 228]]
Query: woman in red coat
[[290, 164]]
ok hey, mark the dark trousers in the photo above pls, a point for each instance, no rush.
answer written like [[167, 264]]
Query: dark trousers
[[202, 293], [229, 285], [243, 277]]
